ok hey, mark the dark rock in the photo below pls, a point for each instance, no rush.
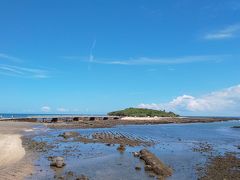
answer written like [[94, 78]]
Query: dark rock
[[152, 163], [136, 154], [76, 119], [54, 120], [69, 134], [70, 173], [148, 168], [121, 148], [138, 167], [82, 177], [151, 174]]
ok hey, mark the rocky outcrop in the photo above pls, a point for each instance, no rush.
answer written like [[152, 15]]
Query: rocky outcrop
[[153, 164]]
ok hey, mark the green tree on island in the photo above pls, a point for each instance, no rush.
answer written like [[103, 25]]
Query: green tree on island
[[141, 112]]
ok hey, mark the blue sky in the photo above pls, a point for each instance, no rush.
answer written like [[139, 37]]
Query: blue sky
[[96, 56]]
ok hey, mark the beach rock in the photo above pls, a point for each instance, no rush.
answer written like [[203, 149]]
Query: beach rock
[[33, 145], [153, 163], [138, 167], [121, 148], [57, 162], [148, 168], [151, 174], [70, 173], [136, 154], [60, 177], [160, 178], [82, 177], [54, 120], [69, 134]]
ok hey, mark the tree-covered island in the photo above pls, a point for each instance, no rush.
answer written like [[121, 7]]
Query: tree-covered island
[[141, 112]]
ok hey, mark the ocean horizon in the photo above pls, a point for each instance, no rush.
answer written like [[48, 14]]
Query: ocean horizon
[[26, 115]]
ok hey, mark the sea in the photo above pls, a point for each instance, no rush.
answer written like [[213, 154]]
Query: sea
[[16, 115]]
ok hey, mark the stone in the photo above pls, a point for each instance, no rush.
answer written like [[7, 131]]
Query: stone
[[82, 177], [136, 154], [121, 147], [138, 167], [148, 168], [151, 174], [69, 134], [58, 162]]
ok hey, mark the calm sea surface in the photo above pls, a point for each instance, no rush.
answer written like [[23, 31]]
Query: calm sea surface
[[9, 115]]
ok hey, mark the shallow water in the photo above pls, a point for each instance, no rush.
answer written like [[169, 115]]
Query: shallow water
[[174, 146]]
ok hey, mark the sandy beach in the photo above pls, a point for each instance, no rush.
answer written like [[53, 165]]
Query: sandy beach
[[11, 150], [14, 160]]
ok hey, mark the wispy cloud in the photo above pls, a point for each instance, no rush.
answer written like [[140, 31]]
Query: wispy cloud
[[62, 110], [46, 109], [164, 61], [9, 57], [226, 33], [91, 56], [155, 61], [22, 71], [14, 67], [222, 102]]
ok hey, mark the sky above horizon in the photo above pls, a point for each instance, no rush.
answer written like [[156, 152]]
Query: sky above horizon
[[96, 56]]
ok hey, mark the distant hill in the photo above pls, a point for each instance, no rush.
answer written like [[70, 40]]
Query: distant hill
[[140, 112]]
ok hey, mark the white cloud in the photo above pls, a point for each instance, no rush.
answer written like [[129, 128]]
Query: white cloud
[[226, 33], [62, 110], [22, 71], [223, 102], [8, 57], [91, 56], [156, 61], [164, 61], [45, 109]]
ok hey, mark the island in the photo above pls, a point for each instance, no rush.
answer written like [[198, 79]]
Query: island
[[142, 112]]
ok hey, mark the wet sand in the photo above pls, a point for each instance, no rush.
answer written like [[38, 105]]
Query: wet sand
[[15, 162]]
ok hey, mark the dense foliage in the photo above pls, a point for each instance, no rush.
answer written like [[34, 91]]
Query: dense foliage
[[140, 112]]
